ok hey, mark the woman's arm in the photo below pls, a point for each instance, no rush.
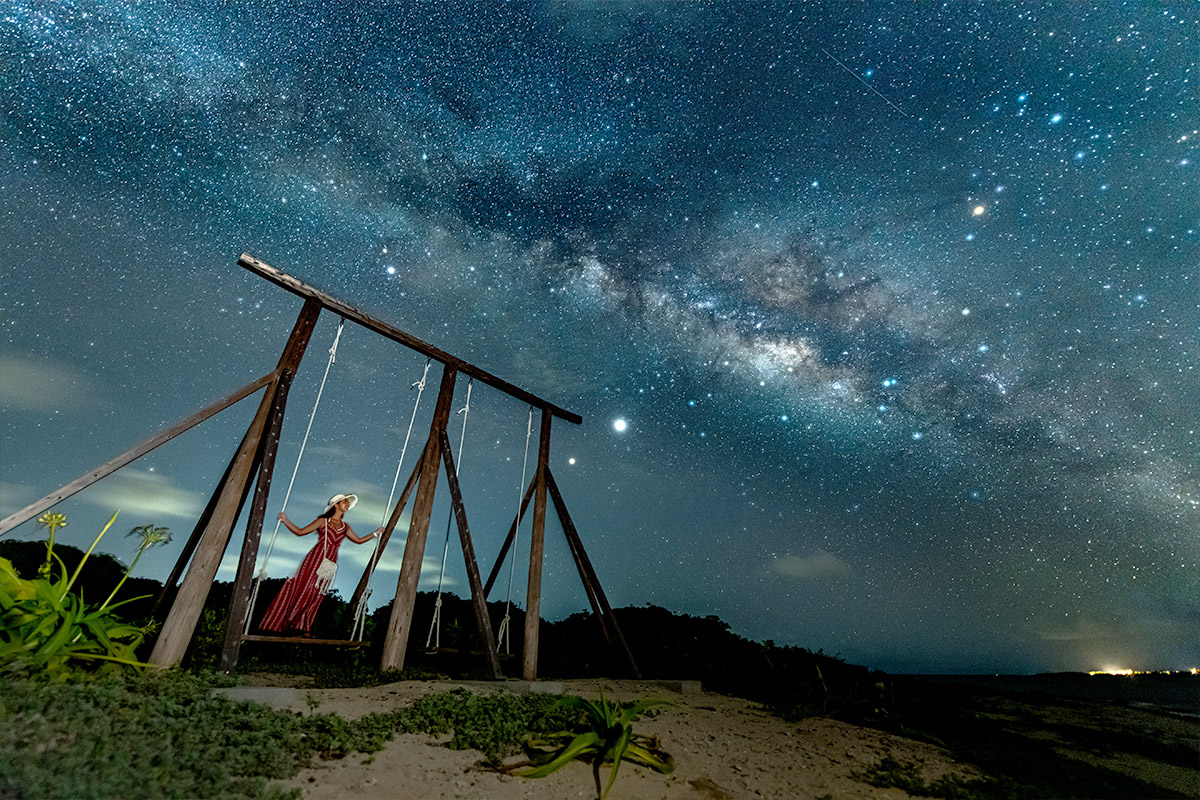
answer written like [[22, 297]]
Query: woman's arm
[[354, 537], [291, 526]]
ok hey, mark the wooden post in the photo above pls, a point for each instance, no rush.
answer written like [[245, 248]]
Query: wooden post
[[533, 595], [395, 645], [384, 538], [482, 618], [508, 540], [180, 624], [591, 583], [112, 465], [239, 603]]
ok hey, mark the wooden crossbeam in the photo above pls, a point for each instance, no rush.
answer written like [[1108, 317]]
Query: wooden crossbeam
[[298, 287]]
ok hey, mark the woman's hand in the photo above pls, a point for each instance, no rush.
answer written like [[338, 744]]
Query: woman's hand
[[377, 532], [282, 517]]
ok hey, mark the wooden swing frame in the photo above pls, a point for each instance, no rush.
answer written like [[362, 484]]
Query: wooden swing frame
[[254, 462]]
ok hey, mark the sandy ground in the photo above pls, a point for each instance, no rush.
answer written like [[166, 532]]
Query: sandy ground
[[723, 748]]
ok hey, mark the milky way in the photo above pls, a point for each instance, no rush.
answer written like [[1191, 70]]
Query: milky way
[[899, 302]]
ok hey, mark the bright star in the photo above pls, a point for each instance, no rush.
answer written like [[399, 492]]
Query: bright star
[[619, 425]]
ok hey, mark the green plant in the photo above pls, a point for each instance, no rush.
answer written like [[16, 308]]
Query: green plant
[[52, 522], [494, 724], [149, 535], [166, 734], [158, 734], [46, 626], [605, 736]]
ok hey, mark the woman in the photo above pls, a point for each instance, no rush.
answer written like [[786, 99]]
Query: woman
[[295, 607]]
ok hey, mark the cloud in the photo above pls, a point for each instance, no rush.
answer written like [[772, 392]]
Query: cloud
[[14, 496], [819, 566], [145, 494], [40, 385]]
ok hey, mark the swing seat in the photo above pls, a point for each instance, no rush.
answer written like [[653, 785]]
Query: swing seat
[[304, 640]]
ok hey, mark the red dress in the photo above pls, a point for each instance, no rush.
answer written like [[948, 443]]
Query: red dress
[[295, 607]]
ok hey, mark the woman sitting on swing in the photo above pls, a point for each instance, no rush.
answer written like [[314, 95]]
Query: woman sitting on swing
[[295, 607]]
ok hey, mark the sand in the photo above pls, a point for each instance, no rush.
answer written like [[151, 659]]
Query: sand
[[723, 747]]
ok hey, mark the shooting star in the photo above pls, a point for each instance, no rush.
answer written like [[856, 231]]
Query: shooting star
[[864, 83]]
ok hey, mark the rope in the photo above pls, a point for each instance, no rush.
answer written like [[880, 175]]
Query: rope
[[435, 627], [361, 608], [262, 573], [502, 636]]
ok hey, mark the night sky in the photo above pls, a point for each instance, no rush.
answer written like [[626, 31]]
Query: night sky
[[899, 304]]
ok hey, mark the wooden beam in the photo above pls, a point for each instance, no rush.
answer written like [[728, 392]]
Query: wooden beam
[[112, 465], [297, 287], [239, 601], [177, 630], [533, 595], [384, 538], [482, 618], [395, 645], [587, 572], [508, 540]]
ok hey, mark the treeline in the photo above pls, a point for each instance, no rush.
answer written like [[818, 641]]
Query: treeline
[[665, 645]]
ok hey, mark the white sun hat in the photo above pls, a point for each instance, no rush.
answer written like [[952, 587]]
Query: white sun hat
[[337, 498]]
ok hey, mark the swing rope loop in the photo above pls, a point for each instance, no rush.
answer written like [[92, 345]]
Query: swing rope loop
[[435, 628], [262, 573], [361, 609], [502, 637]]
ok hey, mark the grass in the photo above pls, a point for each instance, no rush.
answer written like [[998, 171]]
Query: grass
[[494, 724], [167, 735]]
